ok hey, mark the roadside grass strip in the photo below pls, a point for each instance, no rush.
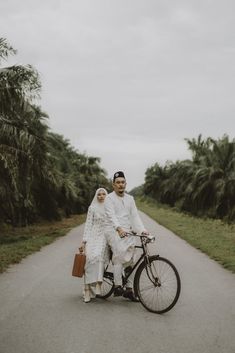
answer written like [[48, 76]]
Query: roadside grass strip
[[211, 236], [17, 243]]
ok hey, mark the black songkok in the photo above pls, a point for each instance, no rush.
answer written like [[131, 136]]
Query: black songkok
[[119, 174]]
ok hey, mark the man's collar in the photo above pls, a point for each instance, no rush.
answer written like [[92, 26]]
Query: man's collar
[[121, 197]]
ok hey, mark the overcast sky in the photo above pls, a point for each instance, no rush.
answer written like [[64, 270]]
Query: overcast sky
[[127, 81]]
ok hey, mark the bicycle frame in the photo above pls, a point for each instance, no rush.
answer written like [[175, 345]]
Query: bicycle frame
[[145, 255], [149, 269]]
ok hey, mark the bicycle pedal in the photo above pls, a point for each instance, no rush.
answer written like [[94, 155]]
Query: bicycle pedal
[[130, 295], [118, 291]]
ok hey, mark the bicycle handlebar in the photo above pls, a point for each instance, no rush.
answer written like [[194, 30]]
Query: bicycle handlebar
[[149, 238]]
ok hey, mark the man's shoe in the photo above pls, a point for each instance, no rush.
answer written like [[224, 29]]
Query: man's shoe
[[118, 291], [130, 295]]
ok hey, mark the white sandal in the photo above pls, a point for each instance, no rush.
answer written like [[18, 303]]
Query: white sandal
[[87, 297], [98, 289]]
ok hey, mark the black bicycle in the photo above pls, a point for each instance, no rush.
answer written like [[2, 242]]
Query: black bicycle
[[156, 281]]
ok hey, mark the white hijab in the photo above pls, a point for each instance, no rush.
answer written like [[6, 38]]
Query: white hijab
[[98, 206]]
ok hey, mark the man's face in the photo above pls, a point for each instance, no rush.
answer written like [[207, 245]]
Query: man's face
[[119, 186]]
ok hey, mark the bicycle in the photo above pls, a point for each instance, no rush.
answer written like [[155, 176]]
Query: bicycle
[[157, 282]]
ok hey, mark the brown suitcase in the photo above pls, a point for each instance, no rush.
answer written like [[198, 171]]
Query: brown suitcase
[[79, 265]]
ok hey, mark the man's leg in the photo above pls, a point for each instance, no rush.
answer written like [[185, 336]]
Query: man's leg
[[128, 293], [117, 268], [117, 272], [127, 268]]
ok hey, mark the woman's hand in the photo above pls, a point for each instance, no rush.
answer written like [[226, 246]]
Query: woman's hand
[[82, 247], [121, 232]]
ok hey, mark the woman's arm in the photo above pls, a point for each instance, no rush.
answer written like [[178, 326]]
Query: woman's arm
[[88, 225]]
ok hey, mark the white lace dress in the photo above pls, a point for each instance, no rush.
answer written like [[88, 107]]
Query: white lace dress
[[96, 246]]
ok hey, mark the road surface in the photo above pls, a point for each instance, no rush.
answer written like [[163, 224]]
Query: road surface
[[41, 307]]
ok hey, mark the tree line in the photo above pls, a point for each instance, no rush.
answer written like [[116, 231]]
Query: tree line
[[203, 185], [41, 175]]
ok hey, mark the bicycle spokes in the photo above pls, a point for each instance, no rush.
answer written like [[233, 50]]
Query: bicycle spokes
[[158, 285]]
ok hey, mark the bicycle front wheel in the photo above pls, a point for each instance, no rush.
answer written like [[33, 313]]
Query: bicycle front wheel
[[157, 284]]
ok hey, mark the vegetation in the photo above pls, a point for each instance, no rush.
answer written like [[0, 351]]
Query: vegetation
[[195, 198], [17, 243], [214, 237], [41, 175], [203, 186]]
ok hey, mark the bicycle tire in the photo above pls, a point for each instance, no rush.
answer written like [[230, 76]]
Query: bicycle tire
[[107, 286], [159, 292]]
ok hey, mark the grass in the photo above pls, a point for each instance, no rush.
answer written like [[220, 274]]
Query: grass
[[213, 237], [17, 243]]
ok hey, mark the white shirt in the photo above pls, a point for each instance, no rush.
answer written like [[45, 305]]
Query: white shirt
[[121, 212]]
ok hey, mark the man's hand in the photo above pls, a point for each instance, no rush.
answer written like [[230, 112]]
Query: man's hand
[[121, 232], [145, 232]]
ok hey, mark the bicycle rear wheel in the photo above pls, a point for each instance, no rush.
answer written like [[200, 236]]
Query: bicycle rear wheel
[[157, 284], [107, 286]]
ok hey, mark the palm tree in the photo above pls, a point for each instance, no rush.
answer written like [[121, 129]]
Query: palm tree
[[41, 174], [204, 185], [18, 86]]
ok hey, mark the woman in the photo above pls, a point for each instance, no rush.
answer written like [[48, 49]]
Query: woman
[[94, 245]]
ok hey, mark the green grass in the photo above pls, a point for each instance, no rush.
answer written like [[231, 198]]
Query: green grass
[[17, 243], [213, 237]]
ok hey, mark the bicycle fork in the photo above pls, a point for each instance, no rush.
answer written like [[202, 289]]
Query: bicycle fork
[[150, 267]]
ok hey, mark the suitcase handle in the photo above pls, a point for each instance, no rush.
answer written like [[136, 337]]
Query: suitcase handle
[[81, 250]]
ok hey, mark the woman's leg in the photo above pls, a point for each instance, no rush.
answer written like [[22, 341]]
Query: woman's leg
[[87, 296], [98, 288], [100, 275]]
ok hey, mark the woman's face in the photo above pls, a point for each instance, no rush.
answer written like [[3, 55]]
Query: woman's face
[[101, 196]]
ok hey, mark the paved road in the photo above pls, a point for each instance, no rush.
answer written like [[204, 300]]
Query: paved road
[[42, 310]]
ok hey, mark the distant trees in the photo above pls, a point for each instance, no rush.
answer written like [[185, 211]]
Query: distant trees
[[41, 175], [203, 186]]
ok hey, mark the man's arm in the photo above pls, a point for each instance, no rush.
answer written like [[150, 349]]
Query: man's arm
[[110, 213], [137, 224], [111, 216]]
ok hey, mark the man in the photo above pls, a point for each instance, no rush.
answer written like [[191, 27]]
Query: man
[[121, 218]]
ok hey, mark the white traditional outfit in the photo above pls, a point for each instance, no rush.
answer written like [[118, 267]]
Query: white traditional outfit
[[121, 212], [96, 244]]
